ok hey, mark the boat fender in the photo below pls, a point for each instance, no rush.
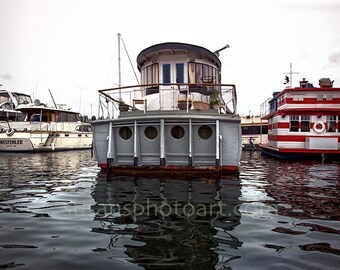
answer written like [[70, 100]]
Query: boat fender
[[10, 131], [319, 127]]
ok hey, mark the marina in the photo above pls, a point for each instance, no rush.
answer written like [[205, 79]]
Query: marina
[[200, 151], [57, 209]]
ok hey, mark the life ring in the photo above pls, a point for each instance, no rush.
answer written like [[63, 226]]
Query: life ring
[[10, 131], [319, 127]]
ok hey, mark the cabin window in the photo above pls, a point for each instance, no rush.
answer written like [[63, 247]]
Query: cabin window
[[297, 97], [151, 133], [319, 97], [67, 117], [150, 74], [199, 73], [205, 132], [252, 130], [166, 74], [305, 120], [331, 123], [191, 71], [177, 132], [294, 123], [35, 118], [273, 105], [180, 73], [329, 96], [125, 133]]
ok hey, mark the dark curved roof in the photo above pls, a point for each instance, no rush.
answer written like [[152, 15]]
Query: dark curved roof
[[176, 46]]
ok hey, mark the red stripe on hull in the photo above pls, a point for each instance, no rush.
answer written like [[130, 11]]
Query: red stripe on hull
[[296, 138], [169, 170]]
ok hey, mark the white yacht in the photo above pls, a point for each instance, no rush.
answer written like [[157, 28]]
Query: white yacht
[[30, 127]]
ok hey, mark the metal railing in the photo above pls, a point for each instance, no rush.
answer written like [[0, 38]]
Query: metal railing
[[151, 97]]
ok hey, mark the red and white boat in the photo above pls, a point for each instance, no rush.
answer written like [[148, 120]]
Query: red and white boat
[[304, 121]]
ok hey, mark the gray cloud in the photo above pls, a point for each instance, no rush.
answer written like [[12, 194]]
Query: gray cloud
[[334, 58], [6, 76]]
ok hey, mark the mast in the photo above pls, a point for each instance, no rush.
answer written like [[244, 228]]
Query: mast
[[290, 82], [119, 72]]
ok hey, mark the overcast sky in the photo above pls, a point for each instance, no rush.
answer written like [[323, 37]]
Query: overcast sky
[[70, 46]]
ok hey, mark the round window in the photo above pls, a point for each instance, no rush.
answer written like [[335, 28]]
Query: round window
[[151, 133], [177, 132], [125, 133], [205, 132]]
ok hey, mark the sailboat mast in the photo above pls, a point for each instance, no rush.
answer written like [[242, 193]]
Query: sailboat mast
[[119, 72]]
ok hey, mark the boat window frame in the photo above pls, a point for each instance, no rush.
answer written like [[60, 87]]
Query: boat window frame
[[166, 73], [128, 134], [180, 73], [305, 123], [331, 123], [150, 74], [177, 132], [295, 119], [205, 132], [151, 133]]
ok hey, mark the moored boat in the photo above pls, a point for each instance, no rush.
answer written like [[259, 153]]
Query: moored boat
[[181, 119], [43, 128], [303, 122], [254, 132]]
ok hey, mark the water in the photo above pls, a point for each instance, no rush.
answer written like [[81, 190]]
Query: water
[[58, 212]]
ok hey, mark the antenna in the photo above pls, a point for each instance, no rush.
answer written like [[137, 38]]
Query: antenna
[[290, 81], [55, 105], [217, 53]]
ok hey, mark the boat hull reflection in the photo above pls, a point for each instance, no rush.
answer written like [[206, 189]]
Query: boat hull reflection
[[172, 223]]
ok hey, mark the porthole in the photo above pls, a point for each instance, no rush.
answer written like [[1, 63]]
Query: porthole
[[177, 132], [205, 132], [125, 133], [151, 133]]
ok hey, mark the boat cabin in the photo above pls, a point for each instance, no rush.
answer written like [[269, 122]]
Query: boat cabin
[[45, 114], [175, 76]]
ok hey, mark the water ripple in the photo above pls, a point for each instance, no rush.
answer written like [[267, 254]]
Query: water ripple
[[57, 209]]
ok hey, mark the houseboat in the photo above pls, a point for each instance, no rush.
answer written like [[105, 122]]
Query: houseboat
[[304, 121], [180, 119], [254, 131], [43, 128]]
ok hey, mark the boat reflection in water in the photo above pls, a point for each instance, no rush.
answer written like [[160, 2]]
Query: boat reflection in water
[[309, 192], [172, 223]]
